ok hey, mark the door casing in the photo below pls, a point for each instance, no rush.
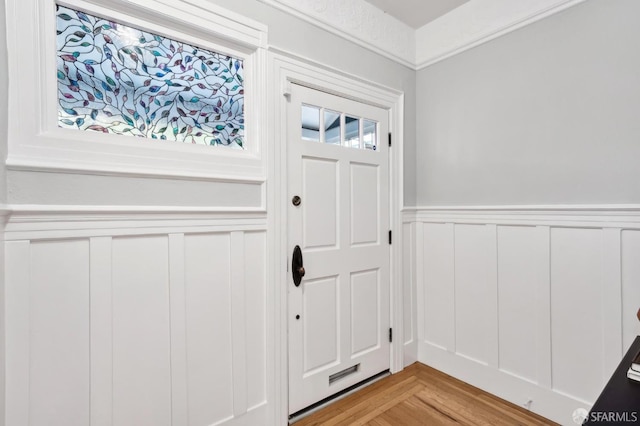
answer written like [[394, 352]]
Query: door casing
[[287, 70]]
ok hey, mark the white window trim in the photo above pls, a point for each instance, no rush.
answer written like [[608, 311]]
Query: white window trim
[[37, 143]]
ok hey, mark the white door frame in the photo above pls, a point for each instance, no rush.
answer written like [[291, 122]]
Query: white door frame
[[285, 69]]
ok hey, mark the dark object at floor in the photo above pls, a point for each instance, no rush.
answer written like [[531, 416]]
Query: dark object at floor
[[619, 402]]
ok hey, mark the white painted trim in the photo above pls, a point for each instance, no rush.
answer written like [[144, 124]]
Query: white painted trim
[[358, 22], [3, 330], [17, 164], [99, 297], [42, 223], [101, 335], [37, 143], [178, 314], [611, 282], [472, 24], [543, 304], [238, 323], [589, 216], [17, 285], [410, 340], [285, 69], [477, 22], [603, 223], [530, 207], [500, 383], [418, 228], [492, 325], [4, 216], [211, 18], [396, 186], [309, 73], [24, 209]]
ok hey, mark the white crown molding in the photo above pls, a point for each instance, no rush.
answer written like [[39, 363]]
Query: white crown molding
[[477, 22], [473, 23], [359, 22]]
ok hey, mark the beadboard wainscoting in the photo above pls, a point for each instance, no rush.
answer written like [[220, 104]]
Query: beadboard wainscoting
[[534, 304], [116, 317]]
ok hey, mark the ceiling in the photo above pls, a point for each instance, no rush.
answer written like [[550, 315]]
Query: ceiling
[[416, 13]]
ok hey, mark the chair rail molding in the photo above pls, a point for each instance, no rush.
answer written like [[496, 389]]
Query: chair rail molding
[[625, 216], [36, 222]]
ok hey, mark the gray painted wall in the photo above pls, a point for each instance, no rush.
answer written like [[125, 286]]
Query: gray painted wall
[[3, 102], [548, 114], [297, 36], [3, 154], [285, 32], [59, 188]]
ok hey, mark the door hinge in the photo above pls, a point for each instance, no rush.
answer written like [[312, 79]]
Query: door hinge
[[389, 138], [389, 236], [390, 335]]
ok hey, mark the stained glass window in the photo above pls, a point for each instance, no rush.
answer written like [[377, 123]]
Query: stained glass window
[[113, 78]]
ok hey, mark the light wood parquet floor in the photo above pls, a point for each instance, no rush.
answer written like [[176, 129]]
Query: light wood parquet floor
[[421, 395]]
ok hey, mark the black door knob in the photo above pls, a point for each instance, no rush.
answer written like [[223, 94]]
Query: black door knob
[[297, 268]]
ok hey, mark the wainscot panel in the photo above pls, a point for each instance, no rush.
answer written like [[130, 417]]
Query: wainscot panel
[[146, 318], [535, 304]]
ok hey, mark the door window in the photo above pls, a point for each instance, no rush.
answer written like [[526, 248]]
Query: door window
[[359, 132]]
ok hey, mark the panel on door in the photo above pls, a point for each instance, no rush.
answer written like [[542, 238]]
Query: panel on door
[[321, 321], [365, 214], [320, 192], [339, 314], [365, 319]]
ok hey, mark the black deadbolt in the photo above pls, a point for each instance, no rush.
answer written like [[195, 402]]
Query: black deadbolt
[[296, 200], [297, 268]]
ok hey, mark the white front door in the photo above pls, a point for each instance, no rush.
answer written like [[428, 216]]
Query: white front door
[[338, 166]]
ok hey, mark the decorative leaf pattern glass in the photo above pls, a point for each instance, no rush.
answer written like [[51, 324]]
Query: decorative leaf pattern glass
[[116, 79]]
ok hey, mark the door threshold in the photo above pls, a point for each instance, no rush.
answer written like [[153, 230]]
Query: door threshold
[[299, 415]]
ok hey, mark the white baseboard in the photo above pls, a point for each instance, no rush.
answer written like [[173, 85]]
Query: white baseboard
[[545, 402]]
